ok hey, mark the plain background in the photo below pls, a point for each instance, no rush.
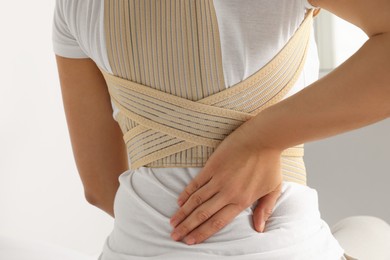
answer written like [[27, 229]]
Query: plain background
[[41, 196]]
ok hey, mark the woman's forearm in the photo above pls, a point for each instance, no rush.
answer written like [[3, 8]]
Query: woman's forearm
[[355, 94]]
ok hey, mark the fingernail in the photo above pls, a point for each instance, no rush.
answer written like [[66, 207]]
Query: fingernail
[[175, 236], [262, 226], [189, 240], [173, 222]]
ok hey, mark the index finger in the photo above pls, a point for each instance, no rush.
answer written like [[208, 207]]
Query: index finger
[[199, 181], [213, 225]]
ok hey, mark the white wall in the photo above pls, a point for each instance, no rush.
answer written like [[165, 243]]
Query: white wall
[[41, 195], [40, 192], [351, 171]]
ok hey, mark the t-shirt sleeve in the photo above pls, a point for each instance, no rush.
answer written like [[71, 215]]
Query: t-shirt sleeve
[[64, 42]]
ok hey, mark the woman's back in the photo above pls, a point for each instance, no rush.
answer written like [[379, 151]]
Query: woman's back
[[251, 33]]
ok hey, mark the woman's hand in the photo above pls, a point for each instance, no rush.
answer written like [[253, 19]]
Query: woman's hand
[[239, 172]]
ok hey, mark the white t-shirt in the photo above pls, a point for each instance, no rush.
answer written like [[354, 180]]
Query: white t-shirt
[[252, 32]]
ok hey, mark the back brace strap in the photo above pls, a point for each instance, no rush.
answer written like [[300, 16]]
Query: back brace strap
[[172, 131]]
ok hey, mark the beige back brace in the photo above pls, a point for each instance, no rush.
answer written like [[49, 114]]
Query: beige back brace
[[168, 84]]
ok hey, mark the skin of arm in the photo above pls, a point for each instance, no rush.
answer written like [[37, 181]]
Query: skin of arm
[[355, 94], [96, 138]]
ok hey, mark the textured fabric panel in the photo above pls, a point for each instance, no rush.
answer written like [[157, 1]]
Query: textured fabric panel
[[169, 45], [166, 45]]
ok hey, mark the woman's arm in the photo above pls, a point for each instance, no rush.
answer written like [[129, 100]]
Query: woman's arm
[[244, 167], [96, 138], [355, 94]]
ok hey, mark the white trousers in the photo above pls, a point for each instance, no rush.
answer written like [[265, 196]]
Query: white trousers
[[294, 231], [362, 237]]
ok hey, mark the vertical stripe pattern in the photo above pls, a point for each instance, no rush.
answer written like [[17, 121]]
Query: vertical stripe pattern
[[166, 45], [169, 45]]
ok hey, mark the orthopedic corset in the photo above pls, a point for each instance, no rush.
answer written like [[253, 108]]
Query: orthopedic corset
[[167, 82]]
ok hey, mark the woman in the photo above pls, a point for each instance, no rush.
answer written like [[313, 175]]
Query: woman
[[247, 201]]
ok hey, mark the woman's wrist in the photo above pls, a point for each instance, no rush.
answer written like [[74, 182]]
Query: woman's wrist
[[258, 135]]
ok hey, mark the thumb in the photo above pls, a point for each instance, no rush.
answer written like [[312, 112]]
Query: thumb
[[264, 208]]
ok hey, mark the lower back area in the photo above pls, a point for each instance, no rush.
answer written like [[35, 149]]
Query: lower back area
[[146, 199]]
